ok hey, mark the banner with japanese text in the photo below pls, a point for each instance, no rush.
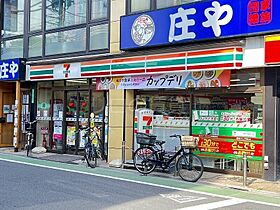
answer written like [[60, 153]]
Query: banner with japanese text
[[198, 79], [202, 20], [227, 134], [222, 116], [12, 69], [229, 148]]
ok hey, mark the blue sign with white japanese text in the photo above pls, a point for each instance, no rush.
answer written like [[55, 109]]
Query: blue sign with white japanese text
[[12, 69], [200, 21]]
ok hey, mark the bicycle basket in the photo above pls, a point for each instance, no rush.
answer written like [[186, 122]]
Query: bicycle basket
[[189, 142], [146, 139]]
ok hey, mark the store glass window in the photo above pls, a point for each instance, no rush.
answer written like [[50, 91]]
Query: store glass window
[[12, 49], [138, 6], [59, 84], [35, 46], [58, 109], [13, 17], [44, 95], [229, 125], [99, 9], [99, 36], [66, 41], [171, 114], [98, 104], [61, 13], [35, 15], [78, 83]]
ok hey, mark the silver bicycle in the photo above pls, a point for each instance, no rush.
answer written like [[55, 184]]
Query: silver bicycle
[[30, 137]]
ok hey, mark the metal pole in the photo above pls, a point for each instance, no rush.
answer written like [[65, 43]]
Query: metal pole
[[176, 160], [244, 169], [17, 120], [124, 130]]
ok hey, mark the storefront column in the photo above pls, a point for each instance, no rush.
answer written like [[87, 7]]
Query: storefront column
[[17, 117], [271, 125], [120, 124], [129, 124]]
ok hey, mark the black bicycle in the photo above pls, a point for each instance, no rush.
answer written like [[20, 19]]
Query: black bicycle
[[90, 153], [151, 154], [98, 143], [30, 141]]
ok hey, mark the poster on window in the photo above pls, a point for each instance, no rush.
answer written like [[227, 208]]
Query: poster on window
[[230, 148], [181, 80], [82, 139], [70, 135], [222, 116], [6, 109], [57, 130]]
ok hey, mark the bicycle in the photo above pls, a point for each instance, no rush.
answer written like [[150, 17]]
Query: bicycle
[[97, 143], [151, 154], [90, 153], [30, 137]]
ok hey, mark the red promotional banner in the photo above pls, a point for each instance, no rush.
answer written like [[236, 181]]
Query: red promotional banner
[[272, 44], [236, 147]]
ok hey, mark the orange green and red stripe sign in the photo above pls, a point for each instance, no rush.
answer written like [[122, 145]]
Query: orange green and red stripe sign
[[215, 59], [271, 49], [229, 58]]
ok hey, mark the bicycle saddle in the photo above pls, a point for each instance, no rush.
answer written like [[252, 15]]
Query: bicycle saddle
[[160, 142]]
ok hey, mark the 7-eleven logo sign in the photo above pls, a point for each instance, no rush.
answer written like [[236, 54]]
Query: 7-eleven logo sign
[[147, 120], [66, 69]]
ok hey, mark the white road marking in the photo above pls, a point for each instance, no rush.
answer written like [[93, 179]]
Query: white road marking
[[179, 198], [215, 205], [134, 181]]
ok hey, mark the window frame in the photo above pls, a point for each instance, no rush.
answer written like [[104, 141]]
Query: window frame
[[29, 17], [27, 34], [153, 6], [91, 20]]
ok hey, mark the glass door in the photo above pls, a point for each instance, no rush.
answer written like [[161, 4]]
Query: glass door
[[83, 117], [77, 114], [71, 120], [58, 108]]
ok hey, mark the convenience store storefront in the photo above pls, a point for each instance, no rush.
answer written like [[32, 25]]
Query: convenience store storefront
[[65, 100], [222, 107], [243, 117]]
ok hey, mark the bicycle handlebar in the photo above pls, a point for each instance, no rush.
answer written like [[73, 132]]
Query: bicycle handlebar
[[174, 136], [30, 123], [87, 129]]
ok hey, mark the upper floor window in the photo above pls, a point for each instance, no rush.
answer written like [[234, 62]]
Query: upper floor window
[[13, 18], [12, 49], [145, 5], [61, 13], [37, 29], [35, 15], [138, 6], [66, 41], [99, 9]]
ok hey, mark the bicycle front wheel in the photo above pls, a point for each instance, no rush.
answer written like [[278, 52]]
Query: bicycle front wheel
[[144, 160], [190, 167], [91, 158]]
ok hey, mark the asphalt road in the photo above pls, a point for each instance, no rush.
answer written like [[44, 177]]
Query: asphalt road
[[32, 187]]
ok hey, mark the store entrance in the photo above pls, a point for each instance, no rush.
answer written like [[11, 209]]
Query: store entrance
[[73, 103], [77, 111]]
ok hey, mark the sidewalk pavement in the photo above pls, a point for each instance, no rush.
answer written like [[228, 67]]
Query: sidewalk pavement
[[208, 178]]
